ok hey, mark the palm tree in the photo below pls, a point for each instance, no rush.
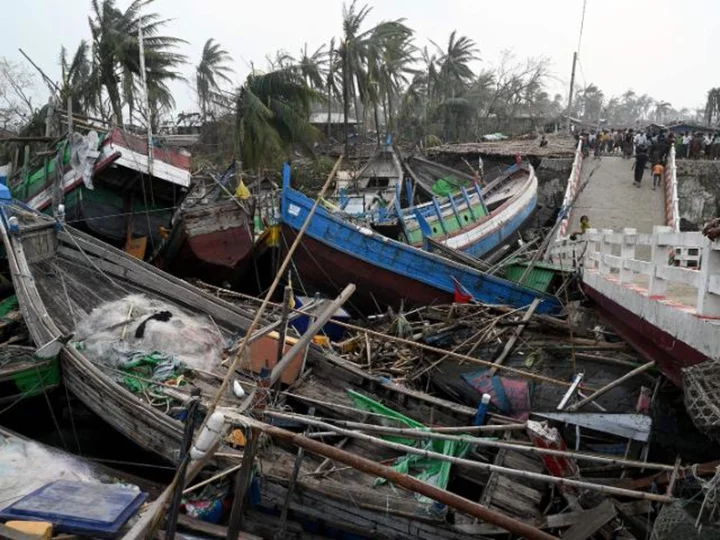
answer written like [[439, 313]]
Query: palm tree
[[455, 73], [116, 53], [271, 113], [210, 72], [662, 108], [356, 47], [78, 80], [396, 55], [313, 66], [712, 105]]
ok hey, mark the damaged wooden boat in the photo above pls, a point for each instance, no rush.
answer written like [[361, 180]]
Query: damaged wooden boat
[[335, 251], [25, 374], [62, 275], [212, 234], [474, 220], [112, 188], [373, 188]]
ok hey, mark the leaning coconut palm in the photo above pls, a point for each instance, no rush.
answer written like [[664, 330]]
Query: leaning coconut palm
[[313, 67], [212, 70], [397, 56], [271, 114], [116, 52]]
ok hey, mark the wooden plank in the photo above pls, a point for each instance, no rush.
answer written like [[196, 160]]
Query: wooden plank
[[516, 334], [592, 522], [557, 521]]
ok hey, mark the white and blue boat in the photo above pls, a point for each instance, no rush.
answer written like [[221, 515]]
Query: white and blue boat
[[335, 251]]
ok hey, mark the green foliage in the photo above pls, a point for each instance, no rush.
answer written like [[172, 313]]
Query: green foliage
[[212, 70], [116, 55], [271, 113]]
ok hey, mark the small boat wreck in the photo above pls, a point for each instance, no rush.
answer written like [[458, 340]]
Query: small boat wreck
[[335, 251], [212, 234], [374, 187], [476, 221], [112, 188], [26, 373]]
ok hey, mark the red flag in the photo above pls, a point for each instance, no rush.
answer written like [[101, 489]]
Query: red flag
[[461, 297]]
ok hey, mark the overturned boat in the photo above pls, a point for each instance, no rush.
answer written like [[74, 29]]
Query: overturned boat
[[213, 233]]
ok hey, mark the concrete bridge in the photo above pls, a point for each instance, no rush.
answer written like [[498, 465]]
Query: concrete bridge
[[658, 288]]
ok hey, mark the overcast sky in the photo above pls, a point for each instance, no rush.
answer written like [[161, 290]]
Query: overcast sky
[[659, 47]]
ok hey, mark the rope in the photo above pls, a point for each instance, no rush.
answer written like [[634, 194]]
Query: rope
[[711, 501]]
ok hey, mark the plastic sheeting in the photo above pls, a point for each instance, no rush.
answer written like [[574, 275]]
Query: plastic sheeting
[[107, 334]]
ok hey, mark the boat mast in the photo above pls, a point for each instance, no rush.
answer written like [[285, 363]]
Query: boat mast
[[143, 79], [572, 76]]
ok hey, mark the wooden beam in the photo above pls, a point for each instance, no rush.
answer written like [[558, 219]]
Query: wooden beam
[[242, 482], [592, 521], [516, 334]]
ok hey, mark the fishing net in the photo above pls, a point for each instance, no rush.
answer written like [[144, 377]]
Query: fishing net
[[140, 330], [702, 396], [26, 466], [674, 521]]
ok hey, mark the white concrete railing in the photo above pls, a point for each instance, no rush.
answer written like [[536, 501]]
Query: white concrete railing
[[672, 210], [570, 191], [612, 255]]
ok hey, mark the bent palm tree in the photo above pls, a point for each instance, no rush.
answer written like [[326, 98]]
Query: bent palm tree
[[210, 72], [271, 114], [78, 80], [116, 52]]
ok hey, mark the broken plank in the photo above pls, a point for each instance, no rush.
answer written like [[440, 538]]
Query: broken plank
[[592, 522]]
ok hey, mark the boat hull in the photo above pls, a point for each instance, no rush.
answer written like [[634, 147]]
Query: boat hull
[[337, 251], [212, 242], [482, 236], [326, 269], [670, 354]]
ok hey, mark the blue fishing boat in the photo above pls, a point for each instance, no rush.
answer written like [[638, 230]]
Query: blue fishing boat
[[335, 251]]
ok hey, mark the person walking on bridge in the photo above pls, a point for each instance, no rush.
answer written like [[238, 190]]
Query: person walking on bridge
[[641, 159]]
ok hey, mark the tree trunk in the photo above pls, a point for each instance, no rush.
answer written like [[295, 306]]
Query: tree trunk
[[391, 122], [110, 83], [346, 103], [377, 121]]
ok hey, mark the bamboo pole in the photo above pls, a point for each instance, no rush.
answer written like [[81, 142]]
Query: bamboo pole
[[314, 328], [513, 339], [429, 348], [610, 386], [435, 435], [408, 482], [609, 490], [258, 315]]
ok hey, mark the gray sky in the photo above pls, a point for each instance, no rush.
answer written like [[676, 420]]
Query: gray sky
[[659, 47]]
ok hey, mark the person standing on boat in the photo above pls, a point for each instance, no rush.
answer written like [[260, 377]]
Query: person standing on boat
[[641, 159]]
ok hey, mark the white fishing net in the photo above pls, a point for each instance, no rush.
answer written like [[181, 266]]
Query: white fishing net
[[109, 334], [26, 466]]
